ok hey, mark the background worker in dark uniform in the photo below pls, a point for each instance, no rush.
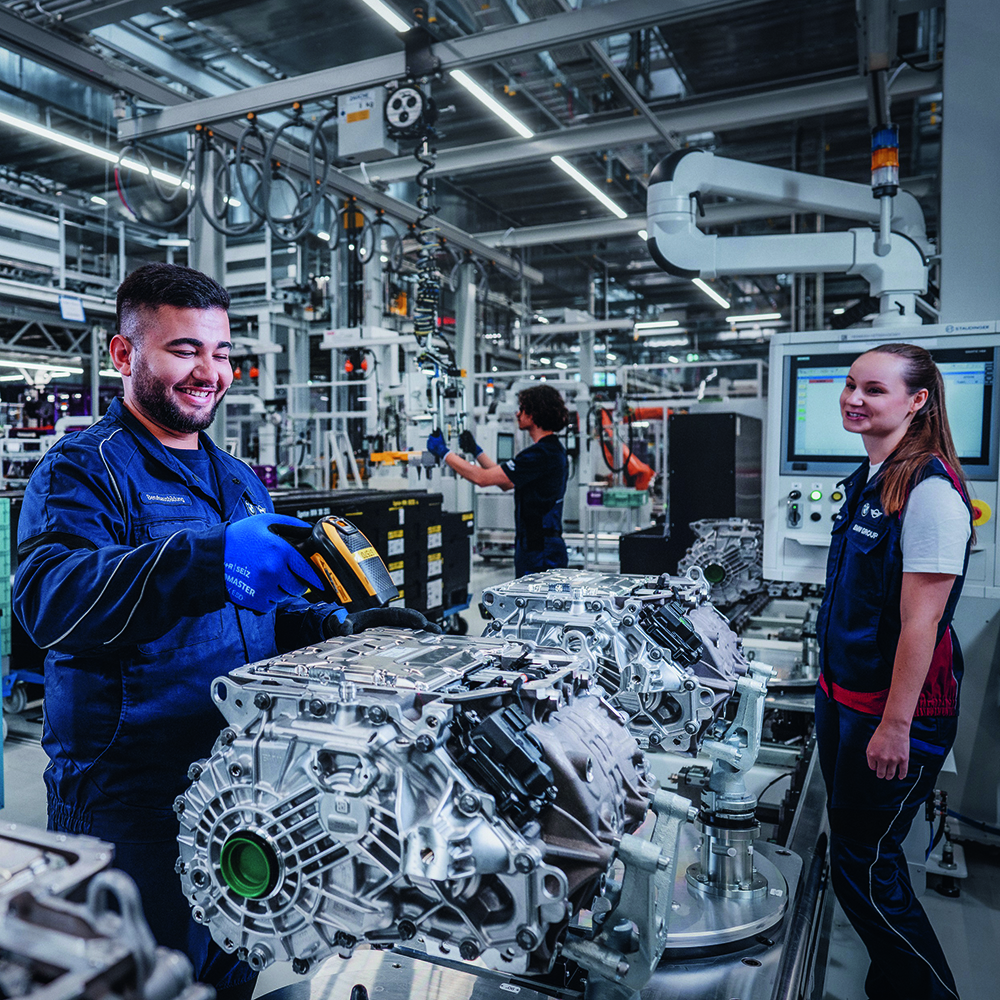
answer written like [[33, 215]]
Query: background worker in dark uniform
[[537, 476]]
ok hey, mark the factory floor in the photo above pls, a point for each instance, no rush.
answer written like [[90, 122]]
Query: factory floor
[[968, 926]]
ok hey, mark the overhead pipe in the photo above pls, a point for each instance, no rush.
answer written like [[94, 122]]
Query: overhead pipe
[[679, 247]]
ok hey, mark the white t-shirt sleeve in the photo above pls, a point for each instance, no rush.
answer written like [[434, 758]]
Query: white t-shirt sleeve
[[936, 529]]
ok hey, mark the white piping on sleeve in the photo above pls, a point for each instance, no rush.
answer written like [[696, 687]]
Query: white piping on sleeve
[[152, 569], [114, 483], [871, 892], [49, 645]]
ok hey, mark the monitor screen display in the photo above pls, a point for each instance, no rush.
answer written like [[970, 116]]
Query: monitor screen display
[[505, 446], [814, 435]]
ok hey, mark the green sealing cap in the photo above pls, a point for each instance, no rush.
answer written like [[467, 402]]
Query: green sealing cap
[[249, 865], [714, 573]]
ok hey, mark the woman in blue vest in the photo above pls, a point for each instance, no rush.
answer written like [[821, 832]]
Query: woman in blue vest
[[887, 700]]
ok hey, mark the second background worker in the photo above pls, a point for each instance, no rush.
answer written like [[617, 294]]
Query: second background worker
[[537, 476]]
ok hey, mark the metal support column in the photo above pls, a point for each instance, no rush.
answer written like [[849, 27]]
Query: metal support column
[[207, 253], [970, 151], [267, 434], [465, 356], [96, 347], [62, 247], [970, 263], [122, 256]]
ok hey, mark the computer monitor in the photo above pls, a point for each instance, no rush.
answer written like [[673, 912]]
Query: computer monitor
[[814, 439], [505, 446]]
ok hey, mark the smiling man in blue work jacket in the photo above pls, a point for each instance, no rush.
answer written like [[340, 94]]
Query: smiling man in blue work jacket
[[148, 568]]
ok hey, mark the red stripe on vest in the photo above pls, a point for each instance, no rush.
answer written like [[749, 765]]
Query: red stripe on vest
[[937, 697], [866, 702]]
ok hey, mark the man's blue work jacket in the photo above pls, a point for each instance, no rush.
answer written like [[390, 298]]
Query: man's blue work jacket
[[121, 580], [859, 623]]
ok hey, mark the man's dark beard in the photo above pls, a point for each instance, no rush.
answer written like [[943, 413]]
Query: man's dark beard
[[151, 394]]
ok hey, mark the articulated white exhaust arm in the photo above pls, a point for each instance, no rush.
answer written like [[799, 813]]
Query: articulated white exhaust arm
[[677, 245]]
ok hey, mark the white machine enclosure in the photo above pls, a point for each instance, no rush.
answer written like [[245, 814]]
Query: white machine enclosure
[[665, 657], [462, 795], [797, 552]]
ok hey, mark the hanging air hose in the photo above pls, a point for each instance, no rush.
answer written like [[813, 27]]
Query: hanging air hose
[[222, 188], [140, 160], [293, 226], [252, 198]]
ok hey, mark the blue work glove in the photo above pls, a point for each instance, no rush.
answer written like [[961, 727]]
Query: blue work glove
[[262, 569], [436, 446], [379, 618], [468, 444]]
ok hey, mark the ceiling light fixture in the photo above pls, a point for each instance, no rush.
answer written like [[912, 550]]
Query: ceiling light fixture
[[324, 236], [667, 342], [561, 364], [488, 101], [839, 311], [590, 187], [98, 200], [387, 14], [753, 318], [173, 241], [107, 155], [34, 366], [643, 235], [711, 293], [466, 81], [657, 324]]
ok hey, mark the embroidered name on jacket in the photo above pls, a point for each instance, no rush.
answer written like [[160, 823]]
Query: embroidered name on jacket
[[170, 498]]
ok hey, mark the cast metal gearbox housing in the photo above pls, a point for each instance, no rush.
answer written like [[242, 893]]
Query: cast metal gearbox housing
[[664, 656], [460, 795]]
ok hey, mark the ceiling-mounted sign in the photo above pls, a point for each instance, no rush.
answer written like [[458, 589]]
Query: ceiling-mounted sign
[[71, 309]]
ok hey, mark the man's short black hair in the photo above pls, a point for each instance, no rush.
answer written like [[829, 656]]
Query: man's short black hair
[[153, 285], [545, 407]]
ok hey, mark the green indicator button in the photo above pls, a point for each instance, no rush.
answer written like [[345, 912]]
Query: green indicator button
[[249, 865], [816, 495]]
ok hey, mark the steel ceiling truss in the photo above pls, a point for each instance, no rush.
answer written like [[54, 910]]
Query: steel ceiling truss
[[780, 104], [64, 340], [567, 28]]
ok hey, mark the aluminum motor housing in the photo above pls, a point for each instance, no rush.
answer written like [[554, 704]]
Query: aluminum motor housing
[[730, 552], [665, 657], [462, 795]]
